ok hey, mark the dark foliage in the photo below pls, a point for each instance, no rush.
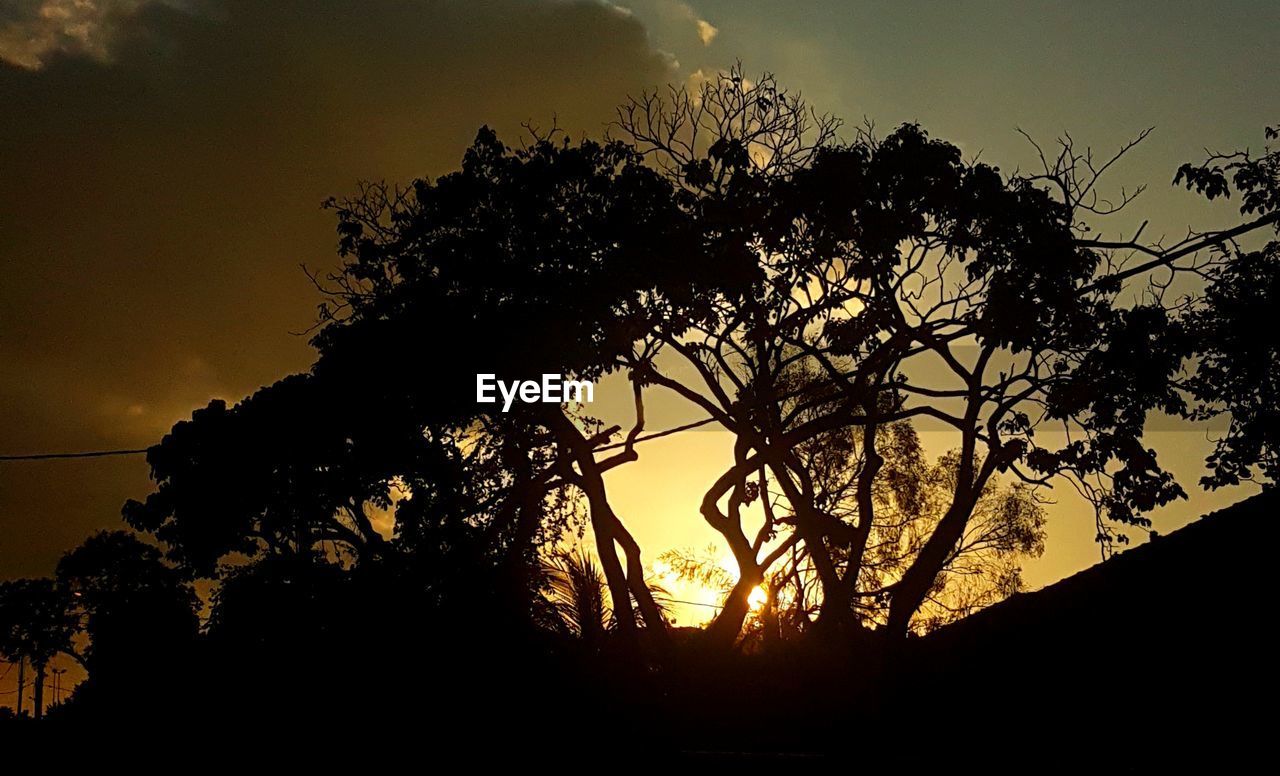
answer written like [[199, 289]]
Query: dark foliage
[[376, 540]]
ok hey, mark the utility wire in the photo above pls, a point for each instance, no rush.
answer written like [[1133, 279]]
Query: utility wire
[[90, 454], [693, 603], [142, 450]]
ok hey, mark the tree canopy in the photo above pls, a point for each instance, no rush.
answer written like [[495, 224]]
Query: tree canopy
[[814, 296]]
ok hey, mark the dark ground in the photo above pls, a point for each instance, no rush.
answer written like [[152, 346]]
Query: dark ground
[[1160, 655]]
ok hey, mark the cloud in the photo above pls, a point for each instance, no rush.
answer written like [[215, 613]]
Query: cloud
[[674, 24], [706, 32], [33, 30], [163, 166]]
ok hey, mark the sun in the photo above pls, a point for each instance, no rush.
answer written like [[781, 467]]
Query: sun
[[758, 598]]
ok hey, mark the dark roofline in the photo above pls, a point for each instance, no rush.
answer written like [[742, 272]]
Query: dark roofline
[[1214, 530]]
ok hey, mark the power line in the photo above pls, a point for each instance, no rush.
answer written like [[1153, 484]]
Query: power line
[[142, 450], [90, 454], [694, 603]]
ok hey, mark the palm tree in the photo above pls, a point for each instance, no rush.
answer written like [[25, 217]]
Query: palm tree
[[577, 595]]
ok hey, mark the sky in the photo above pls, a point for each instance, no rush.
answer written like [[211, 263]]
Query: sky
[[162, 167]]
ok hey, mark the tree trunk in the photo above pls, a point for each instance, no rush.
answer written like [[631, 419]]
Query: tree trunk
[[22, 682], [871, 463], [728, 624], [837, 600], [919, 577], [608, 530], [39, 705], [769, 618], [649, 611], [614, 576]]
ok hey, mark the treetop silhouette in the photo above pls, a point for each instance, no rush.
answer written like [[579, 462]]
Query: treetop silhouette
[[818, 295]]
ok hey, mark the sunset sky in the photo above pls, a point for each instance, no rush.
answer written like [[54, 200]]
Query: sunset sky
[[162, 167]]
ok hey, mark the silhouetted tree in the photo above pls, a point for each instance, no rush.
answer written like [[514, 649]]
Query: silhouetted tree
[[11, 652], [876, 258], [911, 495], [139, 615], [1238, 373], [549, 258], [808, 294], [576, 593], [275, 474], [36, 624]]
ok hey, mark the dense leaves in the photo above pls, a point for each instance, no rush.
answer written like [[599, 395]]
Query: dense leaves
[[275, 473], [819, 297], [1239, 361]]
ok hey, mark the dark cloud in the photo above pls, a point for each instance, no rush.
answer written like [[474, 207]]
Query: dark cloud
[[158, 192], [32, 31]]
